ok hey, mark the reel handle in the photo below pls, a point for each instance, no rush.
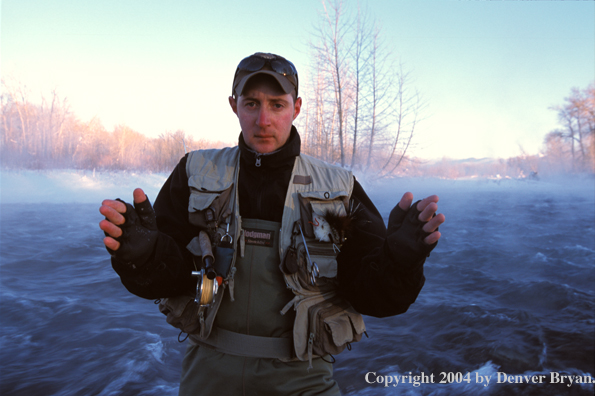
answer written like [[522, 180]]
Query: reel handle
[[208, 259]]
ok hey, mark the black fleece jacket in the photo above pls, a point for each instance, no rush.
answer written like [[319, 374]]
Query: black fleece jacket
[[376, 280]]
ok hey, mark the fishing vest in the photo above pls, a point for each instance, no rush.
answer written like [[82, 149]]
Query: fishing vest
[[324, 322]]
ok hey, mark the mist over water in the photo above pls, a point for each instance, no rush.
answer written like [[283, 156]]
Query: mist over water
[[510, 288]]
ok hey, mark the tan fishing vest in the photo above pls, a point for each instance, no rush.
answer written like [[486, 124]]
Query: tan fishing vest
[[324, 322]]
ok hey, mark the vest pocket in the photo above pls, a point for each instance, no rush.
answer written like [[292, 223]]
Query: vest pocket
[[323, 240], [181, 312], [304, 280], [207, 207], [332, 326], [184, 313], [324, 255], [325, 325], [314, 207]]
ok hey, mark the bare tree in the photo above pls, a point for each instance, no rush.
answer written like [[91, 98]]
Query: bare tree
[[577, 118], [361, 55], [364, 113], [381, 95], [408, 109], [332, 46]]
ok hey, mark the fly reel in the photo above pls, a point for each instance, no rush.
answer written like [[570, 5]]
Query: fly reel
[[207, 285], [206, 288]]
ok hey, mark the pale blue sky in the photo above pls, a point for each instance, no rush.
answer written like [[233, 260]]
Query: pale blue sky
[[488, 70]]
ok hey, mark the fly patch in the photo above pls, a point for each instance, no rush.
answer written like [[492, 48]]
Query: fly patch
[[259, 237]]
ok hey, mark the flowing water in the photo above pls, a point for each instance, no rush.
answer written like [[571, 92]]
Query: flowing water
[[509, 289]]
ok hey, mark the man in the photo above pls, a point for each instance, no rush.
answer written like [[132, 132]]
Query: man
[[288, 231]]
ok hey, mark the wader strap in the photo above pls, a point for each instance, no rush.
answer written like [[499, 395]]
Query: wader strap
[[247, 345]]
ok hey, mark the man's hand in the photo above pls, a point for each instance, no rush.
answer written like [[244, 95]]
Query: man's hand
[[428, 207], [131, 232], [412, 231]]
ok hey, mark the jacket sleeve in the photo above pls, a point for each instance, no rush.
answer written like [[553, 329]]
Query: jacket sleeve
[[373, 279], [168, 271]]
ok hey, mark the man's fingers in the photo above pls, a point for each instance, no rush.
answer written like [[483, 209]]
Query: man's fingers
[[427, 206], [118, 206], [432, 238], [406, 200], [139, 195], [434, 223], [111, 243], [109, 227], [426, 201], [113, 212], [428, 212]]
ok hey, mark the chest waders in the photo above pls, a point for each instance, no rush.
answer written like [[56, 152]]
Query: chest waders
[[260, 294]]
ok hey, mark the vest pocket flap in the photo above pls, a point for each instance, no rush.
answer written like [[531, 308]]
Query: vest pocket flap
[[321, 253], [324, 195], [209, 183], [202, 196], [324, 255], [206, 208], [346, 326], [326, 265], [331, 326], [340, 328], [201, 200]]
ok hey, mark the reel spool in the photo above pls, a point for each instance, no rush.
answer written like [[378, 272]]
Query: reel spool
[[206, 289], [207, 284]]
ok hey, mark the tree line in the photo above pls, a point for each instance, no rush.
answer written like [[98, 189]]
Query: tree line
[[570, 148], [49, 135]]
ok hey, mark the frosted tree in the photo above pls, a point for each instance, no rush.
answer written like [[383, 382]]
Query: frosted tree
[[577, 119], [360, 109]]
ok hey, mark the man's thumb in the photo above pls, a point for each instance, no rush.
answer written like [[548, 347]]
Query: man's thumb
[[144, 210], [139, 195]]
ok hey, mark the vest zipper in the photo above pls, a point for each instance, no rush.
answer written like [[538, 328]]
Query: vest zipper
[[257, 160]]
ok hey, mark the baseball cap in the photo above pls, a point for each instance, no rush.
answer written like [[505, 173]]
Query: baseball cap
[[265, 63]]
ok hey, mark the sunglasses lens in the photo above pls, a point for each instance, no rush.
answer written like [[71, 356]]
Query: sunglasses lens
[[255, 63], [251, 63], [283, 67]]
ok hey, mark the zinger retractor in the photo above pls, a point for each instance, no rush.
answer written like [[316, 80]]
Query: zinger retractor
[[312, 266]]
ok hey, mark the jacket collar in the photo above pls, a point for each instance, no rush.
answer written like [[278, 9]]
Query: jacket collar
[[283, 156]]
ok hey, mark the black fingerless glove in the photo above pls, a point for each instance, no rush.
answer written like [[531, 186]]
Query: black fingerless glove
[[405, 236], [139, 235]]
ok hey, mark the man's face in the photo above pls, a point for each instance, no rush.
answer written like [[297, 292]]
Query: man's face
[[266, 114]]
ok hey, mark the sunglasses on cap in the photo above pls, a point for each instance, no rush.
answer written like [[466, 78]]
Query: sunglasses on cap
[[258, 61]]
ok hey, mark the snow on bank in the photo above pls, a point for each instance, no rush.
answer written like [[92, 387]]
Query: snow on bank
[[69, 186], [77, 186]]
